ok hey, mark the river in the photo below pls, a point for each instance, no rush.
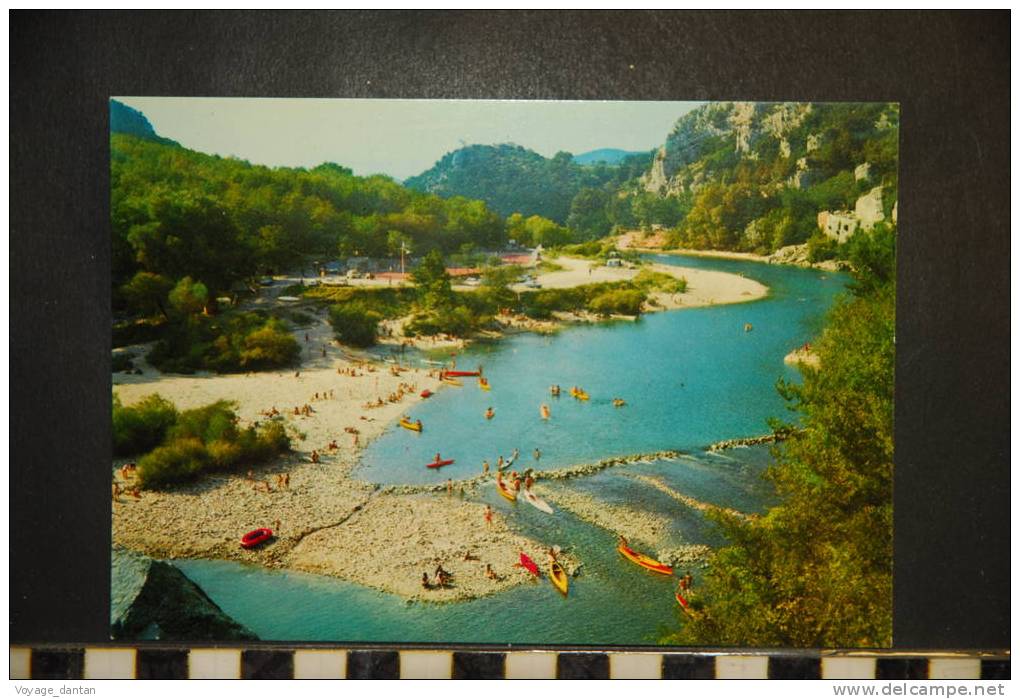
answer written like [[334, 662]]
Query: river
[[690, 378]]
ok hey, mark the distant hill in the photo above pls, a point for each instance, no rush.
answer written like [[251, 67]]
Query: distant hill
[[512, 179], [609, 156], [124, 119]]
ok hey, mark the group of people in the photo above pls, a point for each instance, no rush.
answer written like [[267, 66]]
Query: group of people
[[442, 578], [527, 479], [282, 481], [305, 410], [395, 397], [326, 395]]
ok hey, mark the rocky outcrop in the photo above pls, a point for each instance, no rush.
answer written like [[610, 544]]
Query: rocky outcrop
[[153, 600]]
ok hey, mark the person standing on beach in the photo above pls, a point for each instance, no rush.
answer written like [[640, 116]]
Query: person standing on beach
[[485, 467], [488, 515]]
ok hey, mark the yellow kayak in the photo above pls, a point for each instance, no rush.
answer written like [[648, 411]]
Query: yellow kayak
[[558, 577], [506, 492], [408, 425], [484, 385], [452, 382], [581, 395]]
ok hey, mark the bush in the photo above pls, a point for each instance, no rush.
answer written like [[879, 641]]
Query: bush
[[239, 342], [821, 247], [136, 332], [122, 362], [620, 301], [143, 426], [355, 325], [268, 347], [216, 421], [457, 321], [179, 461], [649, 280], [206, 439]]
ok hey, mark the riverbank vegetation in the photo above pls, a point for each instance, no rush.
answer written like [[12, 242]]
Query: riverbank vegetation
[[816, 571], [178, 446]]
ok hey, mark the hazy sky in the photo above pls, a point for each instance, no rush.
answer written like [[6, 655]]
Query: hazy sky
[[399, 137]]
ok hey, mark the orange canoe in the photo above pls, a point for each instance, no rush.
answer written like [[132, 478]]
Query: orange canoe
[[644, 561]]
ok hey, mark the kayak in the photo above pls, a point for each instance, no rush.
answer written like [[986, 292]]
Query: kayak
[[408, 425], [484, 385], [529, 564], [683, 602], [452, 382], [644, 561], [426, 393], [439, 464], [558, 577], [256, 537], [453, 372], [506, 492], [537, 502], [579, 394], [545, 412]]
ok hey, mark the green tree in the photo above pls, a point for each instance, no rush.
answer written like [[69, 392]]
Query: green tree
[[189, 297], [147, 292], [354, 325], [433, 282], [816, 570]]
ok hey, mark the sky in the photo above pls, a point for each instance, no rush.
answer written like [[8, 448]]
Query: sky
[[399, 138]]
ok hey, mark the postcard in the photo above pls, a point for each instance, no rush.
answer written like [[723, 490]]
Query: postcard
[[492, 372]]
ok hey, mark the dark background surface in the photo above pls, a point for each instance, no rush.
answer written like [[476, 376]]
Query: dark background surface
[[949, 71]]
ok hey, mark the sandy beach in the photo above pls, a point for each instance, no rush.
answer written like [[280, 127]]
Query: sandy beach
[[327, 521], [704, 287]]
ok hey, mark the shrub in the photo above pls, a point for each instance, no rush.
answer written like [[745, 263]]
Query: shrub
[[208, 424], [619, 301], [122, 362], [239, 342], [450, 320], [268, 347], [649, 280], [354, 325], [207, 439], [136, 332], [141, 427], [178, 461], [821, 247]]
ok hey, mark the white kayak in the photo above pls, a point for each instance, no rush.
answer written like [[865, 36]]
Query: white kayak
[[537, 501]]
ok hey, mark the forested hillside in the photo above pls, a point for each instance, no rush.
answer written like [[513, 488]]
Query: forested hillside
[[512, 179], [177, 212]]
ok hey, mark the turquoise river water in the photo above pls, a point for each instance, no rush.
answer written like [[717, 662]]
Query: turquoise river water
[[690, 378]]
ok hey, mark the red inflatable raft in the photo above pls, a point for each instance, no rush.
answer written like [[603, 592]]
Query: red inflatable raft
[[528, 564], [256, 537], [439, 464], [453, 373], [426, 393]]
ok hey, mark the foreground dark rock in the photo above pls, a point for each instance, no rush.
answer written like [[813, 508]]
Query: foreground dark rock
[[153, 600]]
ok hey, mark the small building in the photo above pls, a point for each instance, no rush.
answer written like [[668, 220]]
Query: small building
[[838, 225]]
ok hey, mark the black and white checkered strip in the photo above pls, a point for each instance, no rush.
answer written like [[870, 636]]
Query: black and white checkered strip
[[266, 662]]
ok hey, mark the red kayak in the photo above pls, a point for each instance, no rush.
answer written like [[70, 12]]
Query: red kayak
[[461, 373], [256, 537], [529, 564], [439, 464], [426, 393], [682, 600]]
